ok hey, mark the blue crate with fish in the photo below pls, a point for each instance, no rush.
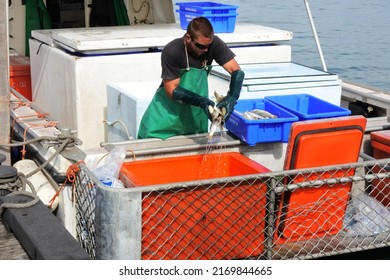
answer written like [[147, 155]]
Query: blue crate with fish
[[308, 107], [259, 121], [221, 16]]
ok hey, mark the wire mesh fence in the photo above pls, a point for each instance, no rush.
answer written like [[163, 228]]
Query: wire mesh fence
[[85, 193], [295, 214]]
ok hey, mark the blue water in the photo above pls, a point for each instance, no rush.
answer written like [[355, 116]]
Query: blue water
[[354, 35]]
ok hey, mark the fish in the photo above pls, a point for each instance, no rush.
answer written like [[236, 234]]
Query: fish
[[257, 114], [263, 114], [217, 115], [217, 123], [219, 97], [248, 116], [216, 112]]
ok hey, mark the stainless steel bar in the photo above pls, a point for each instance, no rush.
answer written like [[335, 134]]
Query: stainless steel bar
[[315, 35]]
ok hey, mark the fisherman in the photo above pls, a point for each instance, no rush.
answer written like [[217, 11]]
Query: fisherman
[[181, 105]]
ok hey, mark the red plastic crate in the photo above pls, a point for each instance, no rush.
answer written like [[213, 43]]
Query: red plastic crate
[[20, 77], [380, 142], [380, 189], [318, 211], [204, 222]]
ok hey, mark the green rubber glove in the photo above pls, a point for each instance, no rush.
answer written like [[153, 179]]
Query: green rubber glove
[[188, 97], [236, 80]]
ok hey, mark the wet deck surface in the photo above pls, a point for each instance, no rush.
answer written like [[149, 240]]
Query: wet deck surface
[[10, 249]]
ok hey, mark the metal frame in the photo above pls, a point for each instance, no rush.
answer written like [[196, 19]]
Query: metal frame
[[116, 224]]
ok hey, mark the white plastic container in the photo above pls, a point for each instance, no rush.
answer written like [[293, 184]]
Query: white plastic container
[[44, 189], [126, 104], [70, 68], [269, 79]]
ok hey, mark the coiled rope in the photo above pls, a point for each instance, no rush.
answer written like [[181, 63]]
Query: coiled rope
[[71, 175], [17, 185]]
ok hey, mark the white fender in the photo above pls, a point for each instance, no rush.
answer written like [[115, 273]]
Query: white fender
[[45, 190]]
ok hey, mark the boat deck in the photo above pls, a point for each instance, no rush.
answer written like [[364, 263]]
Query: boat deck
[[10, 248], [38, 231]]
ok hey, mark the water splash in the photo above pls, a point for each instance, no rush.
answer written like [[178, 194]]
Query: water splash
[[212, 167]]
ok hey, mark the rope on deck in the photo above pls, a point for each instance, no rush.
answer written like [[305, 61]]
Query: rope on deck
[[20, 205], [17, 186]]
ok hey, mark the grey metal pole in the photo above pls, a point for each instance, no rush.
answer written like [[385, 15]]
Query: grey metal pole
[[4, 77], [315, 35]]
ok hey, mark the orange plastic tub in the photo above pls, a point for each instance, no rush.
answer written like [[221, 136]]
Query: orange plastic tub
[[380, 189], [20, 77], [380, 142], [203, 222], [317, 211]]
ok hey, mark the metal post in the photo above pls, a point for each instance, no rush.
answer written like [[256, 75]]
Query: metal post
[[4, 76], [315, 35], [118, 224]]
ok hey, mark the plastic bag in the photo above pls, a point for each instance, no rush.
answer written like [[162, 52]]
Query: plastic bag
[[108, 169], [366, 216]]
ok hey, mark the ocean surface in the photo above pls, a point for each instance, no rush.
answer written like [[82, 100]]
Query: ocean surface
[[354, 35]]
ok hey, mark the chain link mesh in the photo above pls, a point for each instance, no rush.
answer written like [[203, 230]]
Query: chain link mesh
[[296, 214], [85, 203]]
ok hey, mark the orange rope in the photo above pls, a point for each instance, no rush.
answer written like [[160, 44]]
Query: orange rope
[[39, 115], [72, 171], [56, 195], [71, 175], [133, 154], [32, 125], [21, 103]]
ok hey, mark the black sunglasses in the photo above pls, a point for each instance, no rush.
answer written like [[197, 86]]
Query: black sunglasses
[[199, 45]]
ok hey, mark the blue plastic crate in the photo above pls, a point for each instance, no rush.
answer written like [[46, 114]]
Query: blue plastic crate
[[308, 107], [221, 16], [263, 130], [207, 7]]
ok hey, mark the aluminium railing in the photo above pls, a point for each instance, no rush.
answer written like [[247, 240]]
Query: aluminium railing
[[296, 214]]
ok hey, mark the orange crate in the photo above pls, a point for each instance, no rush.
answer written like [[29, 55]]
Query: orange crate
[[380, 142], [318, 211], [380, 189], [20, 77], [199, 223]]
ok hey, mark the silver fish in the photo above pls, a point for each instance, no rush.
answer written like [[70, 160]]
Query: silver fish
[[218, 97], [257, 114], [216, 112], [263, 114], [249, 116]]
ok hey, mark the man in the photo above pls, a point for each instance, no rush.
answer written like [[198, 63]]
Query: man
[[181, 104]]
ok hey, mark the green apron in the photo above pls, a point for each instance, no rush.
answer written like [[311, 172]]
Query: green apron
[[37, 17], [166, 117]]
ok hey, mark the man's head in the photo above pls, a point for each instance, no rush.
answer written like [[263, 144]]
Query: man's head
[[199, 36]]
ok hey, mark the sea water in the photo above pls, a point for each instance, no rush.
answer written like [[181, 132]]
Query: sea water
[[354, 35]]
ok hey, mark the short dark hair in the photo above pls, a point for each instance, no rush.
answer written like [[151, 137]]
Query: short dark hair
[[200, 25]]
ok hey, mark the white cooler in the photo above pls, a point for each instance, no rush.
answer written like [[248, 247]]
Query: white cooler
[[71, 68], [267, 79], [126, 104]]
